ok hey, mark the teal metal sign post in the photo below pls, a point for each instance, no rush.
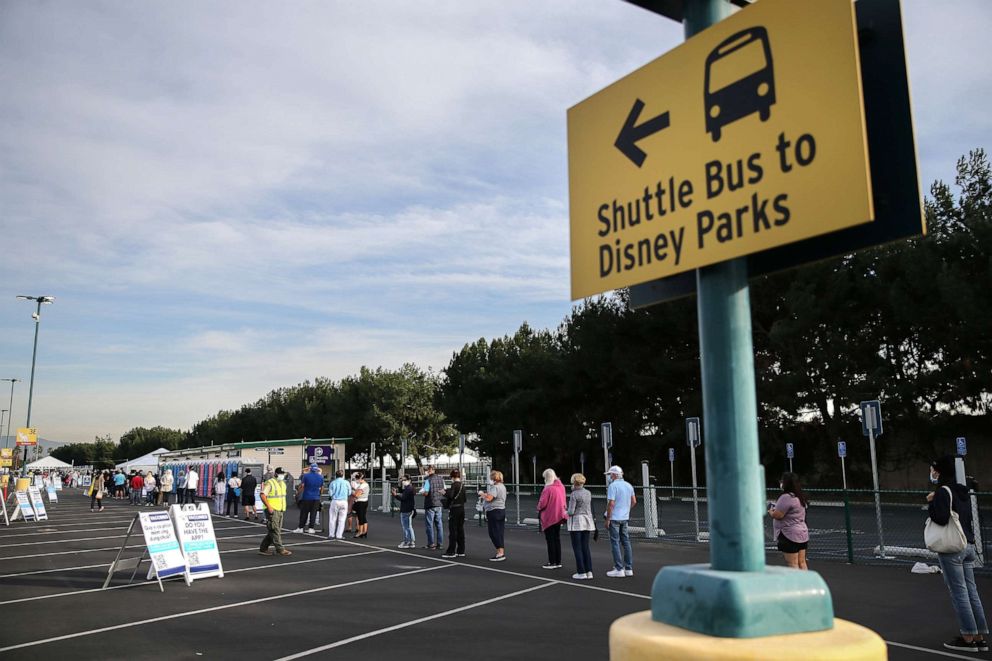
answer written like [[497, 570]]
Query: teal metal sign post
[[735, 595]]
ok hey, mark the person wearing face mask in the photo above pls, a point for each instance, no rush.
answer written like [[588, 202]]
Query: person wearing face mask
[[274, 499], [620, 500], [339, 491], [789, 522], [958, 568], [405, 495]]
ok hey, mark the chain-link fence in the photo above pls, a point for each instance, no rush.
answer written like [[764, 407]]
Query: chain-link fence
[[843, 525]]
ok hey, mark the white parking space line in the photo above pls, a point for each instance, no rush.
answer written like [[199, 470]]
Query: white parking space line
[[572, 584], [421, 620], [135, 585], [928, 651], [104, 548], [201, 611]]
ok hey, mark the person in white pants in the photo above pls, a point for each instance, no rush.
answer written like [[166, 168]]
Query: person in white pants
[[338, 490]]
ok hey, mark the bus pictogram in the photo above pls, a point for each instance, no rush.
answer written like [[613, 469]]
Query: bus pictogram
[[728, 95]]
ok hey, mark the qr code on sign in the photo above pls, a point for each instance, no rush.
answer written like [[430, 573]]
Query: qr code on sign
[[160, 562], [194, 558]]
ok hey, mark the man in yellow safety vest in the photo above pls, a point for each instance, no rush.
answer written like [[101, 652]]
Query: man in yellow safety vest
[[274, 498]]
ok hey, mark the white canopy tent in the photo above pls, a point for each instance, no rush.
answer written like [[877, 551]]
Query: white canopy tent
[[149, 462], [48, 463]]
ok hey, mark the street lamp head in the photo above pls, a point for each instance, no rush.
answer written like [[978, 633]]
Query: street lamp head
[[11, 380], [41, 299]]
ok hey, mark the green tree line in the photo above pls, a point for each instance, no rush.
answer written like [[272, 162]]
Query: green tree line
[[907, 323]]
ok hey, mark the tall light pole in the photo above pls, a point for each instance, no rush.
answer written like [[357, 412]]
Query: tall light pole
[[11, 407], [3, 412], [40, 300]]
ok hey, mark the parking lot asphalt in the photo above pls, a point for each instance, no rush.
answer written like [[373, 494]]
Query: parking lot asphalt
[[366, 597]]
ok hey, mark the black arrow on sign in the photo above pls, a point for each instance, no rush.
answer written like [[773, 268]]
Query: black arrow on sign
[[631, 134]]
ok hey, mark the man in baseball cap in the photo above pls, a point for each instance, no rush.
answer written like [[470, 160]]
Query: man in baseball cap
[[620, 500]]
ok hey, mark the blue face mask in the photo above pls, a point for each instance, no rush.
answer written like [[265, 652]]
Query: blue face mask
[[934, 480]]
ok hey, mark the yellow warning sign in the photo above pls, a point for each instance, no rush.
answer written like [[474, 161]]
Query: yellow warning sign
[[27, 436], [748, 136]]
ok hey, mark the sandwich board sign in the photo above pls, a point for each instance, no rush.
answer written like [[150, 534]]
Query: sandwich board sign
[[259, 506], [53, 497], [195, 530], [735, 142], [6, 519], [37, 503], [24, 508], [167, 558]]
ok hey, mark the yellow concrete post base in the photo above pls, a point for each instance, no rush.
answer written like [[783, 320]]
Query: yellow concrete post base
[[637, 637]]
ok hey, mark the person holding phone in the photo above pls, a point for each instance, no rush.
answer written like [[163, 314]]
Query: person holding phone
[[495, 509]]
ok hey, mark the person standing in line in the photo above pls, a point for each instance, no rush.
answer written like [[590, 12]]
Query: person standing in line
[[220, 493], [274, 498], [958, 568], [309, 486], [119, 480], [338, 490], [552, 513], [454, 500], [620, 499], [149, 489], [789, 521], [361, 505], [408, 507], [352, 520], [181, 489], [233, 495], [192, 482], [137, 485], [167, 483], [248, 485], [495, 509], [581, 524], [96, 493], [433, 491]]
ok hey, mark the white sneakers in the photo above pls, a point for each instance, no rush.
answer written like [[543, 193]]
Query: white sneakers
[[620, 573], [583, 577], [298, 530], [311, 530]]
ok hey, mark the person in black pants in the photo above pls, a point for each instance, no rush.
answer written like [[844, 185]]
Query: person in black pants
[[454, 499]]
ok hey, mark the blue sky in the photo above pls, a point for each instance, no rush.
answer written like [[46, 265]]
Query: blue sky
[[230, 197]]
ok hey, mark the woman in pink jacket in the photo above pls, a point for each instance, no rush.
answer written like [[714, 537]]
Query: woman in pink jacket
[[551, 508]]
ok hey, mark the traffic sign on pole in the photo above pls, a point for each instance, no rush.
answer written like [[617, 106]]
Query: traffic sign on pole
[[790, 451], [962, 446], [606, 434], [671, 454], [692, 436], [841, 449], [734, 142], [518, 440], [871, 418]]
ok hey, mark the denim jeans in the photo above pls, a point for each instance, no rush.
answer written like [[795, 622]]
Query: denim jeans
[[435, 529], [406, 522], [619, 536], [580, 547], [959, 576]]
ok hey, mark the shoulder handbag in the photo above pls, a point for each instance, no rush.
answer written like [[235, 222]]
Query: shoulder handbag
[[945, 539]]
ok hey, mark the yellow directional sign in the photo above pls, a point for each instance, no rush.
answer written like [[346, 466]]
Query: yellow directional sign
[[748, 136], [27, 436], [6, 457]]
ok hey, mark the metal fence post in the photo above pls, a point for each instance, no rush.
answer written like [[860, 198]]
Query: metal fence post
[[847, 526]]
